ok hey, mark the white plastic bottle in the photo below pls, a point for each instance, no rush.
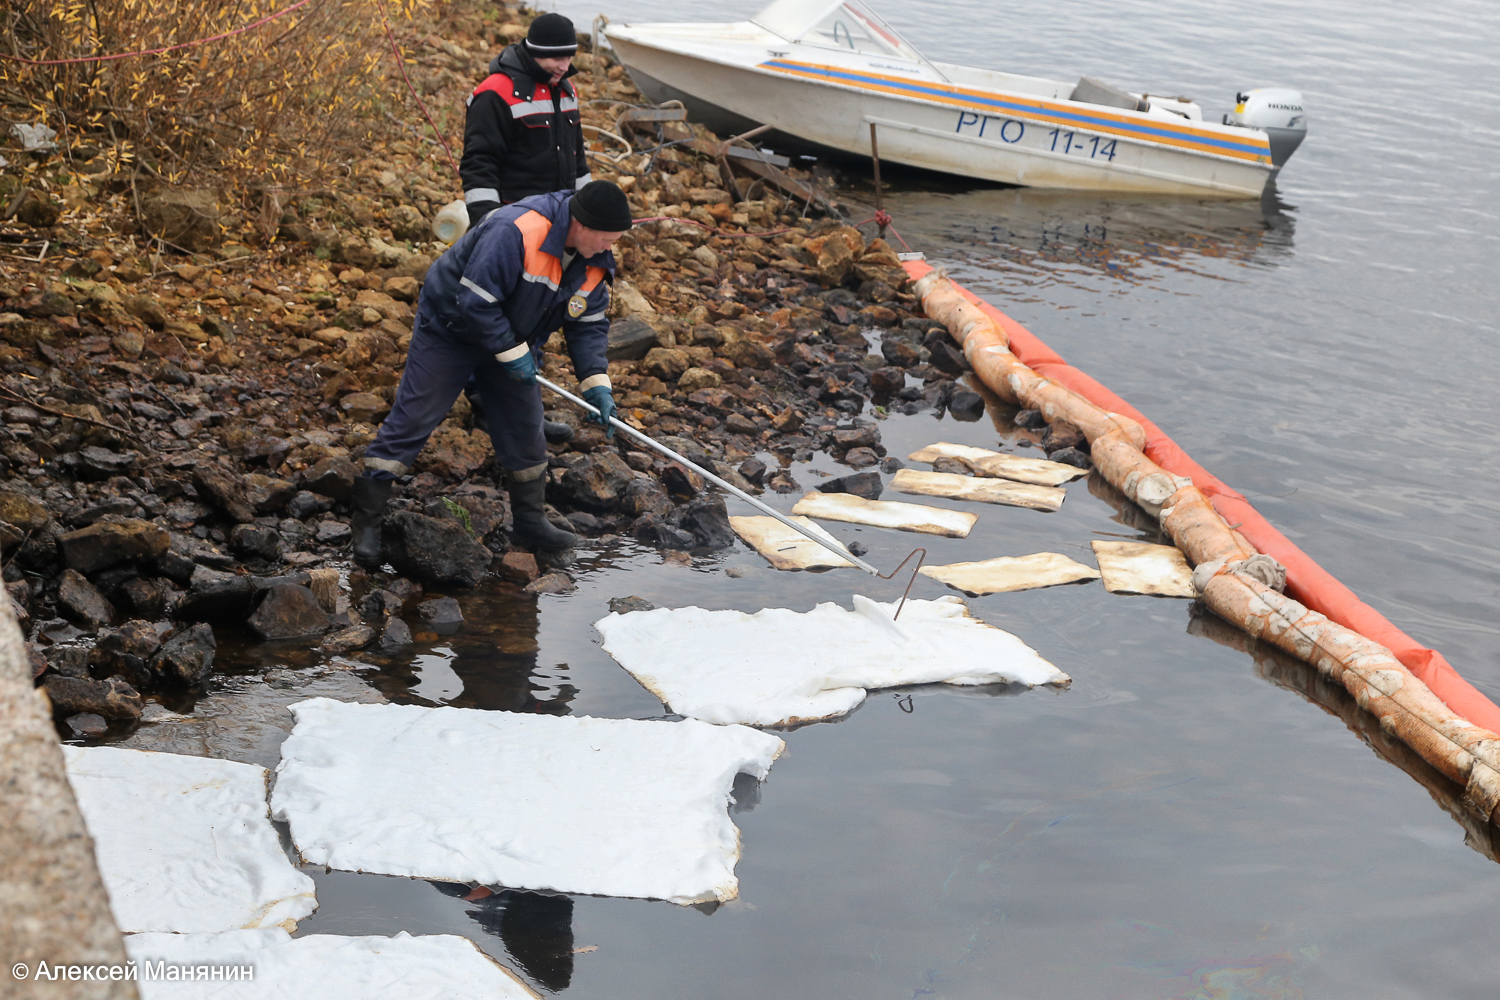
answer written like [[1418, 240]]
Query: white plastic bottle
[[451, 222]]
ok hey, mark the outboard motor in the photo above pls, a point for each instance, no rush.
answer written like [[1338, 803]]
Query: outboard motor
[[1276, 111]]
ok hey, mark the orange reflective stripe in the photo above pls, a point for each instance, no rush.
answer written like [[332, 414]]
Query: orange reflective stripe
[[539, 265], [591, 280]]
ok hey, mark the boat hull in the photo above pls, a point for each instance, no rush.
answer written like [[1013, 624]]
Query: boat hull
[[991, 137]]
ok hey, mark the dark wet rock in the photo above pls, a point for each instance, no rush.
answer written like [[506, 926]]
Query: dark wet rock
[[346, 640], [434, 551], [550, 583], [187, 658], [126, 653], [519, 567], [708, 520], [650, 529], [333, 533], [144, 597], [82, 602], [100, 546], [900, 352], [176, 563], [332, 477], [87, 724], [629, 339], [951, 466], [965, 404], [91, 515], [441, 611], [597, 483], [680, 481], [69, 661], [22, 511], [936, 394], [40, 550], [782, 482], [214, 595], [891, 465], [406, 590], [583, 522], [625, 605], [888, 380], [95, 463], [945, 357], [379, 603], [268, 494], [252, 541], [1062, 435], [1030, 419], [857, 549], [112, 698], [861, 484], [1071, 456], [396, 633], [286, 612], [867, 436], [224, 491], [754, 470], [861, 458], [306, 503]]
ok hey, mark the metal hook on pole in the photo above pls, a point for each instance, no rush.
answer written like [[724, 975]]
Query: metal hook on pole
[[827, 543]]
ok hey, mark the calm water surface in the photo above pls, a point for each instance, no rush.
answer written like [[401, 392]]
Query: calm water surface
[[1195, 818]]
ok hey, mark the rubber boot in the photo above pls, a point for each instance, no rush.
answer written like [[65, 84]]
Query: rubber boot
[[367, 500], [527, 500]]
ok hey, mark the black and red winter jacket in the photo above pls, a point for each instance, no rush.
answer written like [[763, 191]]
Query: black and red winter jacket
[[523, 136]]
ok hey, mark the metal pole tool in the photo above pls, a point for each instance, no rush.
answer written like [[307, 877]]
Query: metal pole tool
[[828, 544]]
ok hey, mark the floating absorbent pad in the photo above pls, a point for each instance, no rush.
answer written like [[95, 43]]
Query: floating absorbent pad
[[955, 487], [185, 844], [780, 667], [887, 514], [1007, 573], [610, 807], [785, 548], [1143, 568], [324, 967], [1003, 466]]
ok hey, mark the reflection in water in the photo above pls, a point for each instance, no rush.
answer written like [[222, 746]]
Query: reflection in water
[[1331, 696], [1041, 238], [536, 928]]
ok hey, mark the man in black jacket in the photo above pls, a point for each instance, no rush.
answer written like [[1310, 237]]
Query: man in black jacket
[[523, 135]]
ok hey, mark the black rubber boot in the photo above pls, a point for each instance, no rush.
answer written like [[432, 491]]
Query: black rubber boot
[[367, 500], [527, 500]]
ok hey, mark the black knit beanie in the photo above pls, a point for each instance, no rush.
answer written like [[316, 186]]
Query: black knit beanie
[[551, 35], [601, 205]]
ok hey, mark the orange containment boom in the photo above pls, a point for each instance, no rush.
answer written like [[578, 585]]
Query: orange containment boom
[[1242, 570]]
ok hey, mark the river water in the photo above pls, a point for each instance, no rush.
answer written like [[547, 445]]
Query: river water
[[1191, 819]]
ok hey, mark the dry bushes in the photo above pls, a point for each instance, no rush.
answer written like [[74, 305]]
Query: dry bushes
[[274, 101]]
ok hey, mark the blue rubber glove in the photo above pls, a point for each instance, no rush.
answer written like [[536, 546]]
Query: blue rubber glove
[[602, 400], [522, 368]]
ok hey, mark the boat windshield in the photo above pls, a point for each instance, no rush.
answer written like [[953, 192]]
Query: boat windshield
[[852, 25]]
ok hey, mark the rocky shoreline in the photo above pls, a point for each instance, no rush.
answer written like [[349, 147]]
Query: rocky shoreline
[[180, 430]]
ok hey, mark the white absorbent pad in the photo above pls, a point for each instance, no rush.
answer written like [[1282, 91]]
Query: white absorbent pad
[[185, 844], [994, 463], [887, 514], [787, 548], [779, 667], [319, 967], [609, 807], [1004, 574], [1143, 568], [978, 488]]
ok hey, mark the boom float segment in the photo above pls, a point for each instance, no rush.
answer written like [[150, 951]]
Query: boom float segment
[[1237, 582]]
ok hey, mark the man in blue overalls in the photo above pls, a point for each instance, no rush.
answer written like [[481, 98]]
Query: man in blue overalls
[[486, 309]]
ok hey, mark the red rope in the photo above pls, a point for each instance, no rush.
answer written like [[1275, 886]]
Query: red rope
[[156, 52], [401, 65]]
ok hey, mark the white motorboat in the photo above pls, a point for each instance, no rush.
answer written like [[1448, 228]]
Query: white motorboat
[[822, 71]]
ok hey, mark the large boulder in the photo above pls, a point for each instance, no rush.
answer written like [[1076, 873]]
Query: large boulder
[[187, 217], [109, 543], [287, 611], [629, 339], [187, 658], [708, 520], [433, 551]]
